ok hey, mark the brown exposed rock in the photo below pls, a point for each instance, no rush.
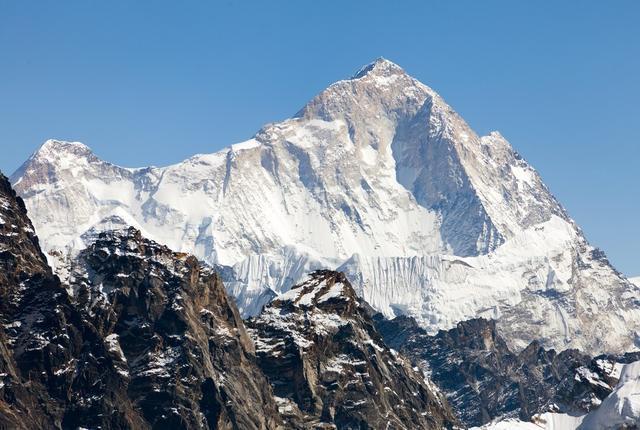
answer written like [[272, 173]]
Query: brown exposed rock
[[327, 363], [161, 347]]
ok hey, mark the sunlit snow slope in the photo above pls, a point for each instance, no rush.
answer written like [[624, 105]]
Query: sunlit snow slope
[[376, 175]]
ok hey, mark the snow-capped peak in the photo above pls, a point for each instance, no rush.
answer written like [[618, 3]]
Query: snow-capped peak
[[47, 164], [380, 67], [54, 149], [445, 224]]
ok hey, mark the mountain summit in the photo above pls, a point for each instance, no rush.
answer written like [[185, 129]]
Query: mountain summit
[[380, 67], [376, 175]]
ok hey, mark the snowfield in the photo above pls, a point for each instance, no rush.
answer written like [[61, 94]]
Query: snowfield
[[547, 421]]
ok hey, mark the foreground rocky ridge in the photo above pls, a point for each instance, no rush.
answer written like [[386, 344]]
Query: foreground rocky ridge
[[149, 342], [48, 350], [178, 342], [323, 356], [140, 337]]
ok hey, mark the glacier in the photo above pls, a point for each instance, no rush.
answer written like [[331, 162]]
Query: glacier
[[376, 176]]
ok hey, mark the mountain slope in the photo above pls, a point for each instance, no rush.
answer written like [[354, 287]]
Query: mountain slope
[[141, 337], [376, 175], [621, 410], [323, 357], [120, 355], [180, 345], [483, 380], [55, 370]]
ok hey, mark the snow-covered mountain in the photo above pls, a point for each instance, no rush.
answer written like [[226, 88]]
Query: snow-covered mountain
[[376, 176]]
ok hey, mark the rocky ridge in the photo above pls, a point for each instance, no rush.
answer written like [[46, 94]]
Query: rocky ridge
[[139, 337], [178, 342], [50, 353], [325, 360], [124, 354], [484, 380]]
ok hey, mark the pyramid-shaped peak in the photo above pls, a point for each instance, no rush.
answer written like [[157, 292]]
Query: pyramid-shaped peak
[[388, 88], [54, 147], [380, 67], [53, 155]]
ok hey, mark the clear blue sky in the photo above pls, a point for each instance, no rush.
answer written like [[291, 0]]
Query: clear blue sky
[[151, 82]]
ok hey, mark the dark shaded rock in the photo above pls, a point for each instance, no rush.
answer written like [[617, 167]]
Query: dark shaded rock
[[151, 342], [330, 368], [179, 343], [48, 350], [483, 379]]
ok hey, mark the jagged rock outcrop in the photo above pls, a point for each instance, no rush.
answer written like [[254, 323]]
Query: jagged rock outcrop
[[150, 340], [55, 367], [483, 379], [178, 342], [621, 409], [331, 369]]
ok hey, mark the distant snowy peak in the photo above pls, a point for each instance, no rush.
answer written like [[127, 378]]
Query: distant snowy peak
[[54, 148], [378, 175], [635, 280], [380, 67], [57, 162], [60, 154], [400, 125]]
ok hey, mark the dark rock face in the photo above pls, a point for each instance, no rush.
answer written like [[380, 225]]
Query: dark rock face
[[178, 342], [49, 352], [152, 341], [20, 264], [140, 337], [483, 379], [330, 368]]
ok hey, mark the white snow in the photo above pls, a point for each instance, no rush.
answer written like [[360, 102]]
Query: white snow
[[249, 144], [336, 290], [635, 280], [622, 406], [583, 373], [523, 174], [113, 345], [546, 421]]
